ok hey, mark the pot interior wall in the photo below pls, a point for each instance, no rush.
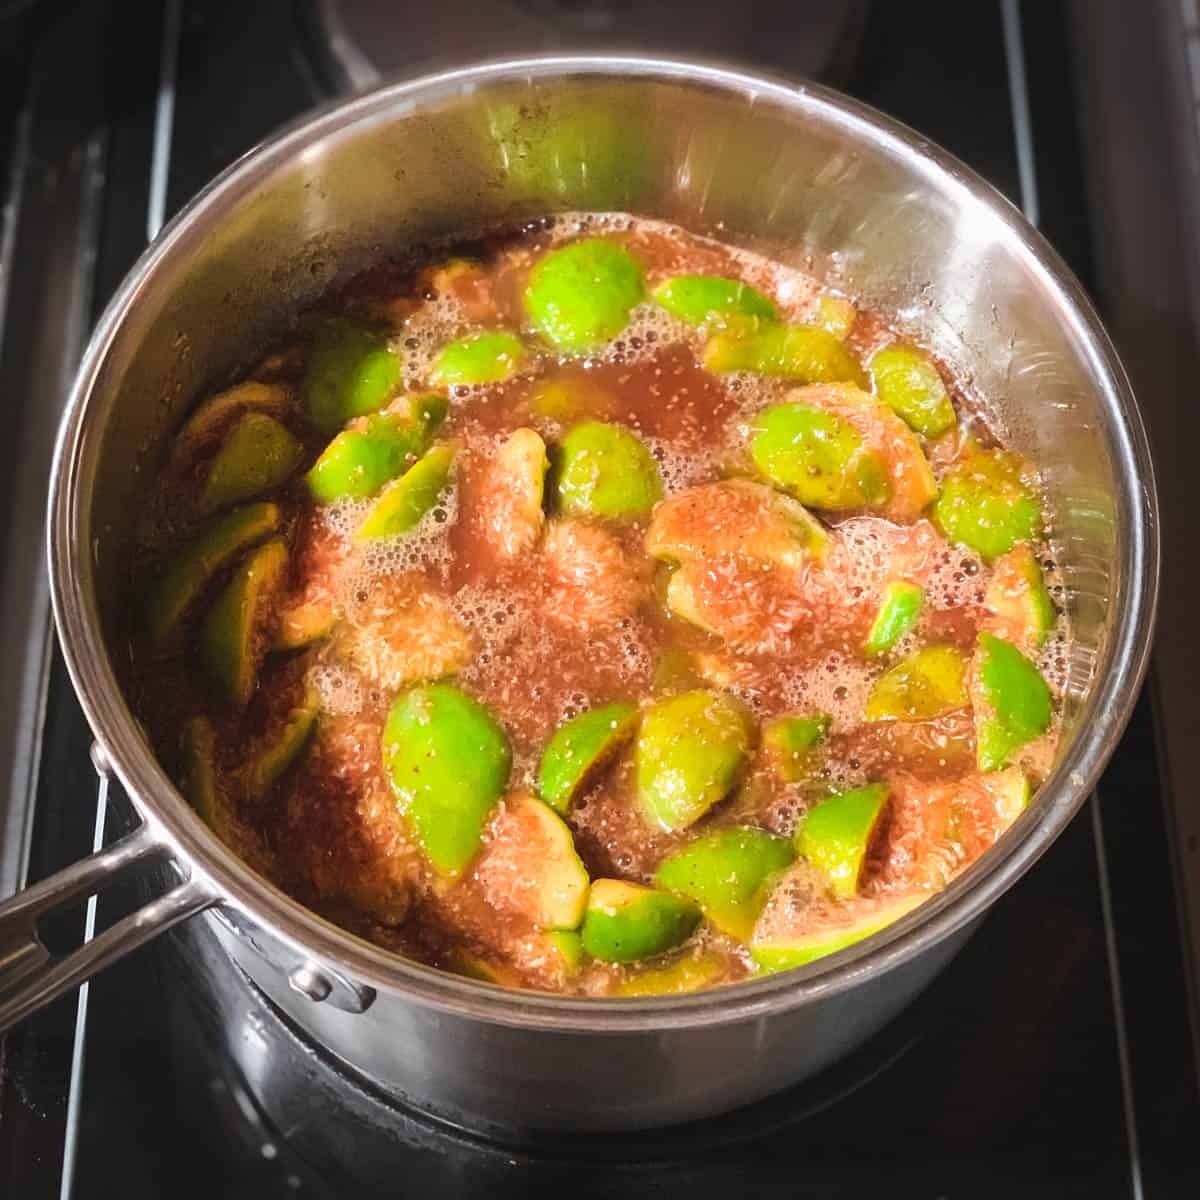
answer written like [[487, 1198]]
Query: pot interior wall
[[821, 189]]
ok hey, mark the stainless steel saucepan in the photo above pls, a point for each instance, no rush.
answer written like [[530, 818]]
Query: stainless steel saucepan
[[797, 171]]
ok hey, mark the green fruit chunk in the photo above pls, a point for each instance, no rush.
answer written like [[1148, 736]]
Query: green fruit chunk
[[625, 922], [581, 296], [231, 645], [358, 462], [188, 571], [697, 299], [579, 748], [245, 397], [351, 372], [735, 517], [475, 967], [789, 742], [689, 974], [783, 953], [818, 457], [929, 682], [804, 353], [516, 488], [836, 835], [985, 504], [683, 601], [283, 747], [676, 671], [1013, 704], [898, 613], [604, 471], [423, 412], [258, 454], [447, 761], [690, 751], [302, 624], [909, 384], [1018, 600], [478, 358], [199, 776], [404, 501], [726, 873], [836, 316], [531, 868], [568, 945], [1011, 793]]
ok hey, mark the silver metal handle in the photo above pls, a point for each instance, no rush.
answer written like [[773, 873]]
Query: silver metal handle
[[30, 976]]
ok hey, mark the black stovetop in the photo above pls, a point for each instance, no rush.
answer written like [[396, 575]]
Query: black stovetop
[[1053, 1058]]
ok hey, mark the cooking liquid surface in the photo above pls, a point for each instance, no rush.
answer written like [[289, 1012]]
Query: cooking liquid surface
[[576, 621]]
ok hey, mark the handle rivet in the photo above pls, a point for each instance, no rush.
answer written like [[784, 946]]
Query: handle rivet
[[308, 981], [100, 759]]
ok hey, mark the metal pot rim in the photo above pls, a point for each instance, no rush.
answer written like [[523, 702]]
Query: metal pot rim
[[237, 886]]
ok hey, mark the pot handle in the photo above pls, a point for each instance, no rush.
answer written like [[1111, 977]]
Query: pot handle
[[30, 976]]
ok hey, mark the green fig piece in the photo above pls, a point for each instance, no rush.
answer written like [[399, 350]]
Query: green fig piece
[[580, 296], [422, 411], [804, 353], [530, 867], [907, 381], [351, 372], [474, 966], [516, 488], [836, 835], [898, 613], [1011, 793], [199, 775], [626, 922], [690, 974], [568, 945], [283, 747], [358, 462], [250, 396], [683, 601], [478, 358], [1018, 601], [447, 761], [676, 671], [303, 624], [783, 953], [698, 299], [231, 641], [257, 454], [604, 471], [690, 751], [725, 872], [735, 517], [818, 457], [579, 748], [1012, 702], [188, 571], [987, 505], [789, 742], [836, 316], [926, 684], [404, 501]]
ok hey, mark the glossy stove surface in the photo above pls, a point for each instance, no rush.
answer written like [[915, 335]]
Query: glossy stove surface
[[1052, 1059]]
